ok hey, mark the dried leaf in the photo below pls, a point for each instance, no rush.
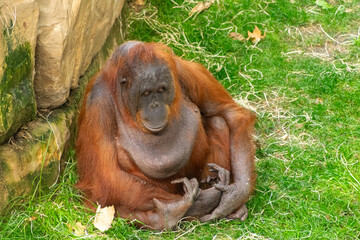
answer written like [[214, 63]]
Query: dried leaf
[[140, 2], [319, 101], [255, 36], [207, 5], [104, 217], [201, 6], [272, 187], [30, 219], [236, 36], [79, 229]]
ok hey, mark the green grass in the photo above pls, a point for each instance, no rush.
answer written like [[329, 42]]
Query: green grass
[[303, 82]]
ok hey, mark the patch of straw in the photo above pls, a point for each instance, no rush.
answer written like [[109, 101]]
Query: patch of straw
[[328, 49], [270, 105]]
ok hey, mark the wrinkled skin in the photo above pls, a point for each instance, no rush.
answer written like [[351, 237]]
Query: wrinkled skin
[[162, 140]]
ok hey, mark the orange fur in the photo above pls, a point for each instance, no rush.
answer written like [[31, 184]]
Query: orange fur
[[108, 175]]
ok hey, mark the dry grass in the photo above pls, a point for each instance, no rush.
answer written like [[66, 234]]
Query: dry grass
[[271, 105], [307, 160], [314, 41]]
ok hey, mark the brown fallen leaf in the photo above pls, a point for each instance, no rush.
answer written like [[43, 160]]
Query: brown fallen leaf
[[319, 101], [236, 36], [78, 228], [140, 2], [104, 217], [201, 6], [255, 36], [272, 187], [30, 219]]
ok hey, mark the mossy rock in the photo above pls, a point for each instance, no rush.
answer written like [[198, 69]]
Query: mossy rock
[[17, 99], [35, 156]]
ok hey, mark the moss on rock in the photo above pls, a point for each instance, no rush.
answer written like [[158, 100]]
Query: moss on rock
[[39, 148], [17, 100]]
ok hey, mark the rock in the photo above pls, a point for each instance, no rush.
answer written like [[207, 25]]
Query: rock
[[39, 148], [70, 33], [18, 28], [35, 156]]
